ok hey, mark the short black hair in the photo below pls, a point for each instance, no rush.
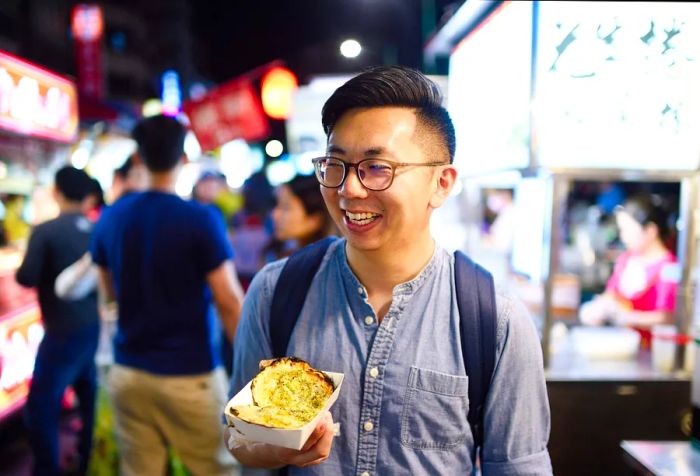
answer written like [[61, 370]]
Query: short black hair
[[397, 86], [161, 141], [74, 184]]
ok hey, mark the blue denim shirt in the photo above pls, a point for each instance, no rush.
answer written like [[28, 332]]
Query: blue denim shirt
[[403, 405]]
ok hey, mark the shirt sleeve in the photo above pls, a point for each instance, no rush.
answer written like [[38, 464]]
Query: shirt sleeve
[[516, 418], [667, 286], [97, 244], [214, 246], [252, 343], [29, 272]]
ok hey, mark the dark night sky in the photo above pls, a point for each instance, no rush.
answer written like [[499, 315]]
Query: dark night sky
[[231, 37]]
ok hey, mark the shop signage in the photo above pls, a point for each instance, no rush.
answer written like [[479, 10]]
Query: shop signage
[[20, 335], [87, 26], [231, 111], [36, 102]]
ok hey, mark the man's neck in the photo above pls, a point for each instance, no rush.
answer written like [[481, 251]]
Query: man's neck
[[163, 181], [381, 270], [69, 207]]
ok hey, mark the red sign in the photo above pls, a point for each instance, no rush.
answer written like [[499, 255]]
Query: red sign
[[20, 335], [231, 111], [87, 26], [36, 102]]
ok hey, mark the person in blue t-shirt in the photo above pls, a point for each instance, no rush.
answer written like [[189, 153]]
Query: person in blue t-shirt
[[166, 261]]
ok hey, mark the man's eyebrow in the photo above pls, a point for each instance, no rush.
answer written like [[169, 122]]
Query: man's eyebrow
[[377, 151], [334, 149], [371, 152]]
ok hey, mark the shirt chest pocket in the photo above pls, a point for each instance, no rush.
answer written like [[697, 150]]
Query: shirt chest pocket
[[435, 410]]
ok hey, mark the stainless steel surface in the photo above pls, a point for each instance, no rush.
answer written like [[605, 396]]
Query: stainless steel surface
[[676, 458], [686, 256], [558, 189], [568, 365]]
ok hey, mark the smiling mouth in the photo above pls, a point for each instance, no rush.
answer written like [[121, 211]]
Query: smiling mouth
[[363, 218]]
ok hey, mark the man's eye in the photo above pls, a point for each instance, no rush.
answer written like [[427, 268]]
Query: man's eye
[[378, 167]]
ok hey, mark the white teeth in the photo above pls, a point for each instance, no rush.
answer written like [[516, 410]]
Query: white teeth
[[361, 218]]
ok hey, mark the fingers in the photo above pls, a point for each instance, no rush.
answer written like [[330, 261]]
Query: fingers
[[321, 447], [315, 435]]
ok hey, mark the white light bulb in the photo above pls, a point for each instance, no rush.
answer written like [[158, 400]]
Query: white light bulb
[[350, 48]]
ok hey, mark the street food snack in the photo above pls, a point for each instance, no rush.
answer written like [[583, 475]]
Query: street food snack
[[287, 393]]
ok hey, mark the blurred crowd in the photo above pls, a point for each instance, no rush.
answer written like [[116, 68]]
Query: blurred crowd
[[140, 248]]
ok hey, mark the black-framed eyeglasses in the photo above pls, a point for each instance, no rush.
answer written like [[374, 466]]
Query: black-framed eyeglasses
[[374, 174]]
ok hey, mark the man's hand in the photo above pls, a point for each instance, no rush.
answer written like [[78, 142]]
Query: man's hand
[[315, 451]]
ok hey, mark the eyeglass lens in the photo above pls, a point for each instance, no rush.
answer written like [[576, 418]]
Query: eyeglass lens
[[374, 174]]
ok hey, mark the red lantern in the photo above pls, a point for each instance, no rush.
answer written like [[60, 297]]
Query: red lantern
[[278, 86]]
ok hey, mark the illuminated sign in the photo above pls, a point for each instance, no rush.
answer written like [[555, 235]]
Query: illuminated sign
[[228, 112], [489, 92], [171, 94], [617, 86], [36, 102], [20, 335], [87, 23]]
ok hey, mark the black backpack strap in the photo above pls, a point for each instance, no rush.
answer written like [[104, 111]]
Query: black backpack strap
[[290, 292], [476, 301]]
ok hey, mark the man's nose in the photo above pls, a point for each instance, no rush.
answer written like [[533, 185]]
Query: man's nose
[[352, 187]]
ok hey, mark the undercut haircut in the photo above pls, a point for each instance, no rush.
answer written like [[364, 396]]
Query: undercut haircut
[[161, 142], [393, 86]]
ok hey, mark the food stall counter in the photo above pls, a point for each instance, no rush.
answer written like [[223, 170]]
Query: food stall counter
[[662, 457]]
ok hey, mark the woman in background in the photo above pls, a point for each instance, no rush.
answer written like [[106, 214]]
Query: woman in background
[[642, 290], [299, 218]]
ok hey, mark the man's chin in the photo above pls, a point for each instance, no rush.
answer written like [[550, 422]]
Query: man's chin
[[363, 245]]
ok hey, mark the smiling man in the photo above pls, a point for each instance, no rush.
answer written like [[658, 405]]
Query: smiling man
[[383, 307]]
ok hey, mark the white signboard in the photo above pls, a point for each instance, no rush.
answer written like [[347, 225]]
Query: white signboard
[[617, 85], [489, 84]]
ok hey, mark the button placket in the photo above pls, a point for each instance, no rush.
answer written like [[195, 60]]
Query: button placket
[[373, 389]]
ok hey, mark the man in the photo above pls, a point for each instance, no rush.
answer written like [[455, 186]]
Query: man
[[382, 308], [67, 352], [163, 259], [131, 176]]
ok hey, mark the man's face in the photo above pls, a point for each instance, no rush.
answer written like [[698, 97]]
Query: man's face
[[398, 216]]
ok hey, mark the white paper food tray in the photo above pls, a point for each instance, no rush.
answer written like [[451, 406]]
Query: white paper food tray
[[294, 439]]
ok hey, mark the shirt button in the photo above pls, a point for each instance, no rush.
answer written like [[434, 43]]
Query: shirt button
[[373, 372], [360, 291], [369, 320], [365, 474], [368, 426]]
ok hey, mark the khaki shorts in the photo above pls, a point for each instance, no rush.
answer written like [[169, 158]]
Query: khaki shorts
[[152, 412]]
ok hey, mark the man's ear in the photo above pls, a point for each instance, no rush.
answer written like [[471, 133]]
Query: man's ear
[[445, 180]]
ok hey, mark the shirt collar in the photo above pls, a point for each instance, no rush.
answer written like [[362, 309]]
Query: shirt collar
[[353, 285]]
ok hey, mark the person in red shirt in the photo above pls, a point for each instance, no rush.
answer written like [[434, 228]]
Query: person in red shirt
[[642, 289]]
